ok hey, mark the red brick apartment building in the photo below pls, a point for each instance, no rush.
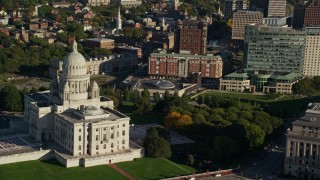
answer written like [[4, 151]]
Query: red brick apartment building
[[312, 13], [164, 65], [191, 35], [100, 43]]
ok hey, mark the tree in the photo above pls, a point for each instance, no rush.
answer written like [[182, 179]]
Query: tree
[[156, 97], [126, 94], [11, 99], [255, 135], [200, 99], [156, 146], [176, 120], [218, 121], [143, 103], [225, 148]]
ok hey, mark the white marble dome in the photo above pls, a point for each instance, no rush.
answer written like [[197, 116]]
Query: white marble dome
[[74, 63]]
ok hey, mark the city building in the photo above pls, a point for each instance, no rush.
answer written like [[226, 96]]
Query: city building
[[242, 18], [191, 35], [275, 21], [273, 49], [136, 51], [266, 83], [303, 145], [311, 61], [236, 82], [298, 16], [232, 6], [312, 15], [128, 3], [100, 43], [77, 119], [277, 8], [98, 2], [167, 38], [166, 65]]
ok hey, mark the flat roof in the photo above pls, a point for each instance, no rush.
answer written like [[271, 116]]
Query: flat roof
[[100, 40], [73, 118]]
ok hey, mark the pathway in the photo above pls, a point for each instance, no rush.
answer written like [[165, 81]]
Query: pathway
[[115, 167]]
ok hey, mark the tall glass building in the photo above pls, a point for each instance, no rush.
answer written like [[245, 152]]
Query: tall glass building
[[273, 49]]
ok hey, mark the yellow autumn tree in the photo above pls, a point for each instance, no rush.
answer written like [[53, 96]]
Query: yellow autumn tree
[[176, 120], [171, 118], [184, 120]]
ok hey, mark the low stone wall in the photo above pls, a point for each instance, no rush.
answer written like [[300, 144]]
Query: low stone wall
[[28, 156], [114, 158], [71, 162]]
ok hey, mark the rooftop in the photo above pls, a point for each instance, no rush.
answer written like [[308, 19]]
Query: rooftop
[[75, 115], [100, 40]]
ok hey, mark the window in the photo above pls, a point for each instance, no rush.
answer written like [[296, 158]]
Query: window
[[104, 137], [104, 146], [79, 147], [123, 125], [79, 138], [79, 130], [97, 137], [111, 145], [123, 141], [111, 135], [123, 132], [97, 147]]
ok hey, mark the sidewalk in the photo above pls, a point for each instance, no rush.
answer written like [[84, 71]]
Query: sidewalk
[[115, 167]]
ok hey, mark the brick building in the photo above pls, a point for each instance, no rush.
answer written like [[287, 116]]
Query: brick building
[[191, 35], [100, 43], [243, 18], [162, 64], [312, 15]]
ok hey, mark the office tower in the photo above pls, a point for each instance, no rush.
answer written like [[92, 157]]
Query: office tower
[[233, 5], [277, 8], [273, 49], [312, 52], [241, 19], [191, 35], [298, 16]]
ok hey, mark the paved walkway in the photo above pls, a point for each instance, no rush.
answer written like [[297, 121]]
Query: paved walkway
[[115, 167]]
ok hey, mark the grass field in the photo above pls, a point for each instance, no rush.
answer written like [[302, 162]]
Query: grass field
[[286, 106], [148, 118], [155, 168], [51, 169]]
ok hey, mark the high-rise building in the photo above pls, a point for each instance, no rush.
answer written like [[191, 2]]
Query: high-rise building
[[233, 5], [191, 35], [298, 16], [241, 19], [260, 5], [303, 146], [273, 49], [166, 65], [312, 15], [311, 63], [98, 2], [277, 8]]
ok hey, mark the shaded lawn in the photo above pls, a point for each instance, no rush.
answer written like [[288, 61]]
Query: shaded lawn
[[51, 169], [147, 118], [154, 168]]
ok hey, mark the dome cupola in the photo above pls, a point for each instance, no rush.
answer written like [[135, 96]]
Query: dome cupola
[[74, 63]]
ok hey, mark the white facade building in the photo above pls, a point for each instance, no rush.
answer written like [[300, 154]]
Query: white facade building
[[75, 117]]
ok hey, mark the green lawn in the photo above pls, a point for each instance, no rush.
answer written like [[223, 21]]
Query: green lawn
[[147, 118], [154, 168], [285, 106], [51, 169]]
